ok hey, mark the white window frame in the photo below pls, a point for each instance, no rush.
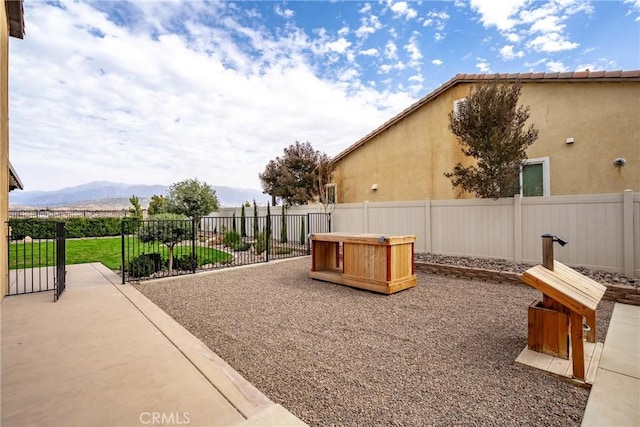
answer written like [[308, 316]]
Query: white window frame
[[546, 177], [335, 193], [456, 106]]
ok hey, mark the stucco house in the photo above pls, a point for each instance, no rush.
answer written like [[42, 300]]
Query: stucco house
[[12, 25], [586, 120]]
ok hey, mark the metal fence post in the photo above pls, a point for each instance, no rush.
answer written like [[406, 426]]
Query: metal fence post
[[194, 259], [307, 233], [122, 225]]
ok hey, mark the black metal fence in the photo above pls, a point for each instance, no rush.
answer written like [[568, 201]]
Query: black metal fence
[[61, 261], [37, 261], [170, 248]]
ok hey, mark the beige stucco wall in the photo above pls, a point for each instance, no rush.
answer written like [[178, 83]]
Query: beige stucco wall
[[4, 147], [407, 161]]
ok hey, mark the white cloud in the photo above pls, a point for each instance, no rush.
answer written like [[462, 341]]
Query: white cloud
[[370, 52], [364, 31], [552, 42], [556, 66], [507, 53], [513, 37], [438, 36], [483, 65], [285, 13], [339, 46], [144, 105], [437, 62], [402, 9], [343, 31], [436, 19], [634, 8], [413, 50], [391, 50], [498, 14]]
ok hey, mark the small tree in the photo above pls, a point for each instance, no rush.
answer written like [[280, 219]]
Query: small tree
[[283, 225], [156, 205], [243, 223], [323, 176], [255, 219], [291, 177], [135, 210], [168, 229], [490, 128], [192, 198]]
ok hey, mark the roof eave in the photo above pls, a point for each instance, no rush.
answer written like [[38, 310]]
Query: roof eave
[[15, 13], [577, 76], [14, 179]]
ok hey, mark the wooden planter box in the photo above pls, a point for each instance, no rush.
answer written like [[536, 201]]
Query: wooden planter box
[[369, 261], [548, 331]]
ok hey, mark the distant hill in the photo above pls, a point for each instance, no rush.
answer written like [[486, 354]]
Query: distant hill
[[110, 195]]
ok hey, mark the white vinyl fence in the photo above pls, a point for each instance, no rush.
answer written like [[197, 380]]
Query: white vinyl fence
[[603, 230]]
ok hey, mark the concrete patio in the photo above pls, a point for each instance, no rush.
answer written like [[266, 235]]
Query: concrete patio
[[104, 355]]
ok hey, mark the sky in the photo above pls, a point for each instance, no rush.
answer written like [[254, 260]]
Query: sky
[[155, 92]]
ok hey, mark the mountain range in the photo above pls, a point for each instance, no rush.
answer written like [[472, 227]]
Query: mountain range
[[111, 195]]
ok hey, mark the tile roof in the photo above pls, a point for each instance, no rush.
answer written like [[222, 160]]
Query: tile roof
[[595, 76]]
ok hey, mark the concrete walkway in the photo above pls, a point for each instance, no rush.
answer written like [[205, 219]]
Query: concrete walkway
[[614, 399], [104, 355]]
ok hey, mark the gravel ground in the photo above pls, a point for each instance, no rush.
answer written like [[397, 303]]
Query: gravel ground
[[603, 277], [441, 353]]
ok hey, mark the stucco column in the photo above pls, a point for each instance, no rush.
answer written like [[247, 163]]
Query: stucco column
[[4, 148]]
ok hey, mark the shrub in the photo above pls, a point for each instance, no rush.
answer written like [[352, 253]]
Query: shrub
[[283, 251], [231, 238], [262, 241], [241, 247], [185, 262], [144, 265]]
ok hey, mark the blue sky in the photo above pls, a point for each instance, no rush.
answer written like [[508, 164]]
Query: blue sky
[[153, 92]]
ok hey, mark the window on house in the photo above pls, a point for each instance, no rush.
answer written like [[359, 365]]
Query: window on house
[[534, 178], [456, 106], [332, 193]]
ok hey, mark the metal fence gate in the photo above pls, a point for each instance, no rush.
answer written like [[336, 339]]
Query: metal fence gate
[[37, 258]]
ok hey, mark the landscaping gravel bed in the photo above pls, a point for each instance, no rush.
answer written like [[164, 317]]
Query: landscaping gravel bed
[[441, 353], [604, 277]]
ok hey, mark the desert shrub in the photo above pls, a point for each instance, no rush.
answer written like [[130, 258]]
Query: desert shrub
[[261, 242], [241, 246], [231, 238], [144, 265], [283, 251]]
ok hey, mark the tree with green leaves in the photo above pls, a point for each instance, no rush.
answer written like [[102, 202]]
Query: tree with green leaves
[[168, 229], [243, 222], [156, 205], [490, 127], [192, 198], [135, 210], [292, 176]]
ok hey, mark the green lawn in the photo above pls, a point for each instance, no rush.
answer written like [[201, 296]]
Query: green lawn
[[104, 250]]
